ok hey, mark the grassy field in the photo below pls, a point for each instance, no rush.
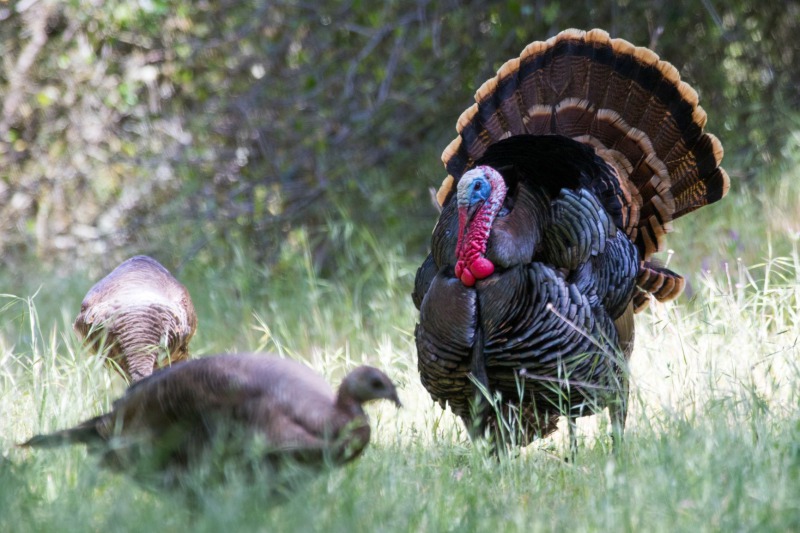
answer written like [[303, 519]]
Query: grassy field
[[713, 440]]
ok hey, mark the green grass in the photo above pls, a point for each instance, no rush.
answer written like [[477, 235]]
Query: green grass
[[713, 439]]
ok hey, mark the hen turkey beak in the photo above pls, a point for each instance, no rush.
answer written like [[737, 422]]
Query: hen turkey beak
[[393, 397]]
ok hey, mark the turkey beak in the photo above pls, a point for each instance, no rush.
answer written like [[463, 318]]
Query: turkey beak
[[393, 396], [472, 209], [470, 212]]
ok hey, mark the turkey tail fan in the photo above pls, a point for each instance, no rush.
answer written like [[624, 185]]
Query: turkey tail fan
[[622, 100]]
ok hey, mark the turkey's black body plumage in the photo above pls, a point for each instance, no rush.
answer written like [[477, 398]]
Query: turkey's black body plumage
[[545, 320]]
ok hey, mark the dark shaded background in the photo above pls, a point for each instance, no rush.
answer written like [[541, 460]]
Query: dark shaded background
[[197, 130]]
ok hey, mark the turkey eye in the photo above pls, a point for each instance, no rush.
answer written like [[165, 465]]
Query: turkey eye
[[477, 186], [376, 383]]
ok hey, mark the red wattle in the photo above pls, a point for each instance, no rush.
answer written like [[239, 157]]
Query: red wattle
[[481, 268], [467, 278], [459, 269]]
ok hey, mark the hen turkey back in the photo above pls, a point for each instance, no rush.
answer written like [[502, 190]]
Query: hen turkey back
[[563, 181]]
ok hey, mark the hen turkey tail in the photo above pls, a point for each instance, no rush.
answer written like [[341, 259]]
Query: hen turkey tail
[[623, 101], [85, 433]]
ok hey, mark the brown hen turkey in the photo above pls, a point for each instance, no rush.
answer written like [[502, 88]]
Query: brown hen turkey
[[562, 183], [142, 314], [217, 411]]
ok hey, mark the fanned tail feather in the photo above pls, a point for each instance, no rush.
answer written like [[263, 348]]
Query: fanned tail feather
[[660, 282], [627, 104]]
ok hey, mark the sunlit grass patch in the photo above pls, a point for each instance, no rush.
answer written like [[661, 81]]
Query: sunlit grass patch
[[711, 441]]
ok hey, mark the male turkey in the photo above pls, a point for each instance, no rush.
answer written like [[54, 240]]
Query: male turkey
[[224, 409], [564, 178], [136, 310]]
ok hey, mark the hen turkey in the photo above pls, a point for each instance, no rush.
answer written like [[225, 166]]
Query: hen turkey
[[562, 183], [176, 420], [135, 310]]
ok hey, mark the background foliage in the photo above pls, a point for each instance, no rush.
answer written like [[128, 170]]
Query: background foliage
[[276, 155], [194, 130]]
